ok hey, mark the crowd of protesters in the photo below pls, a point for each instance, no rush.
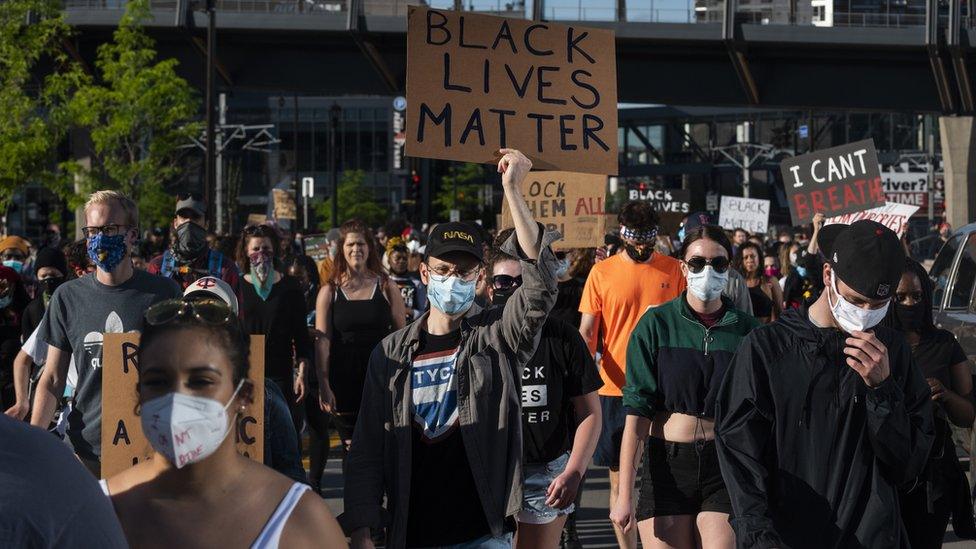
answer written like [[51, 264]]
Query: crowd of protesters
[[786, 390]]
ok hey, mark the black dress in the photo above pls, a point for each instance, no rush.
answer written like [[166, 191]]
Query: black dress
[[762, 305], [357, 327]]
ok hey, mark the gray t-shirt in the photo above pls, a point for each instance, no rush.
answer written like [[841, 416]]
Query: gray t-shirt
[[79, 313], [49, 498]]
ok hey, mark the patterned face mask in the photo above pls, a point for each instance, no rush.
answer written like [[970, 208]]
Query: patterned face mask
[[106, 252], [262, 266]]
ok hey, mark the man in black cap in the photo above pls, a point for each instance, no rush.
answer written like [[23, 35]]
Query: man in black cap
[[823, 415], [190, 256], [439, 433]]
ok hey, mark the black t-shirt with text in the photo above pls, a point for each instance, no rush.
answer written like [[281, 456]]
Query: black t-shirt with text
[[445, 508], [560, 369]]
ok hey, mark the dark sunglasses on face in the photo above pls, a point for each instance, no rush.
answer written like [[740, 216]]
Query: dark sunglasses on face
[[505, 282], [697, 263], [209, 311], [903, 296]]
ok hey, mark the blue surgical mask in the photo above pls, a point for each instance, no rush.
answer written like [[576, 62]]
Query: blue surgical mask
[[106, 252], [562, 267], [450, 294], [15, 265], [801, 271], [6, 300], [681, 234]]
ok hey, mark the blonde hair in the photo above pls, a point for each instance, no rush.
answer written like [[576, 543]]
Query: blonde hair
[[107, 197]]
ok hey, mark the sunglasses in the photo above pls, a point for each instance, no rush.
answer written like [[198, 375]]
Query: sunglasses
[[505, 282], [208, 311], [697, 263]]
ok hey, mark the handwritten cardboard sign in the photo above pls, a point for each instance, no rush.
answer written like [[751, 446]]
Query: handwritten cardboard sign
[[892, 215], [835, 181], [751, 214], [284, 204], [123, 442], [571, 203], [478, 83], [256, 219]]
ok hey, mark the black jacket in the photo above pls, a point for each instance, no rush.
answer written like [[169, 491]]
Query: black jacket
[[812, 457]]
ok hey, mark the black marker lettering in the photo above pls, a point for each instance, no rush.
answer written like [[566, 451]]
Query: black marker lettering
[[130, 357], [461, 38], [447, 76], [474, 124], [564, 131], [572, 44], [538, 126], [520, 90], [442, 26], [528, 38], [242, 434], [543, 84], [443, 118], [505, 33], [589, 133], [596, 94], [121, 433], [502, 143]]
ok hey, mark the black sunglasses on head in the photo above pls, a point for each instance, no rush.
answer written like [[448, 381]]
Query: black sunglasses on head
[[697, 263], [505, 282]]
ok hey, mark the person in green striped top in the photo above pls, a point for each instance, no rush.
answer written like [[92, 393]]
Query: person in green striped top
[[676, 359]]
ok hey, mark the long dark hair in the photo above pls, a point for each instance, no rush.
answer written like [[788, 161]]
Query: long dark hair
[[737, 262], [230, 336], [373, 262], [928, 324]]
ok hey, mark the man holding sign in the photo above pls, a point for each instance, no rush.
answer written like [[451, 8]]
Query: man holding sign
[[439, 433]]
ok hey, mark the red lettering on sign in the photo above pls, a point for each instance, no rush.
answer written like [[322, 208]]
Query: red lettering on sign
[[832, 196], [876, 190], [817, 198], [801, 207]]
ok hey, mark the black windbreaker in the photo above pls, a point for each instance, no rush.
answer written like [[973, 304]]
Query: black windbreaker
[[812, 457]]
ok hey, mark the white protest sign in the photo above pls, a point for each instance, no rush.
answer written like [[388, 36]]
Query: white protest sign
[[892, 215], [751, 214]]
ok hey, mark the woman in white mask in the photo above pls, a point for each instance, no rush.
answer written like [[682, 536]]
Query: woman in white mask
[[676, 359], [197, 491]]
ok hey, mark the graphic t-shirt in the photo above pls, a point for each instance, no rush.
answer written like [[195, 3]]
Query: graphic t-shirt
[[414, 295], [560, 369], [445, 508], [80, 311], [618, 292]]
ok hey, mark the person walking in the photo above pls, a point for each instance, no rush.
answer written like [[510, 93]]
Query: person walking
[[439, 436], [764, 290], [112, 299], [942, 490], [560, 414], [273, 305], [193, 383], [822, 415], [676, 359], [617, 292]]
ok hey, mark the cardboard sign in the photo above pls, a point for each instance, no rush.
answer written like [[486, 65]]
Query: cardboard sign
[[257, 219], [835, 181], [891, 215], [478, 83], [664, 200], [316, 246], [123, 442], [571, 203], [751, 214], [284, 204]]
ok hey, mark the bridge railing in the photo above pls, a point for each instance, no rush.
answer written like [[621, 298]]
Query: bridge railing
[[246, 6]]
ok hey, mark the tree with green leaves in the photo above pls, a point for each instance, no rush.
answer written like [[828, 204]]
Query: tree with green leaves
[[355, 202], [37, 79], [140, 115], [461, 189]]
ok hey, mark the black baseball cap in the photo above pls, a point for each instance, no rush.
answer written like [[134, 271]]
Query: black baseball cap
[[866, 255], [697, 219], [456, 236]]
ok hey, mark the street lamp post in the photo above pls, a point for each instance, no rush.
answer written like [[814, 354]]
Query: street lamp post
[[334, 114], [210, 174]]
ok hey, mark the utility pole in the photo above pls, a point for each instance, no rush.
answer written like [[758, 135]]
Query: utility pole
[[334, 113], [931, 170], [220, 200], [211, 160]]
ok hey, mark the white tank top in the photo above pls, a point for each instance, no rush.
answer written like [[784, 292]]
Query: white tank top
[[271, 533]]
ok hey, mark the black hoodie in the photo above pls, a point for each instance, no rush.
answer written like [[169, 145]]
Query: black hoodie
[[812, 457]]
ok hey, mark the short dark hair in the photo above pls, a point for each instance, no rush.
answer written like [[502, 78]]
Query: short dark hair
[[638, 215], [256, 231], [706, 232], [230, 336], [496, 255]]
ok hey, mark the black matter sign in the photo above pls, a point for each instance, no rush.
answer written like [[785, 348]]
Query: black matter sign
[[836, 181]]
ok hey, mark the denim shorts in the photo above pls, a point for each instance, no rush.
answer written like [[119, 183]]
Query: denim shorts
[[538, 477]]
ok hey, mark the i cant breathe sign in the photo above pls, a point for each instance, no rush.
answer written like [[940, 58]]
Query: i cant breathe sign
[[478, 83], [836, 181]]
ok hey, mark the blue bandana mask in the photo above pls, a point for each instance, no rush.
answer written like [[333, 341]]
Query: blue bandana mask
[[17, 266], [450, 294], [106, 252]]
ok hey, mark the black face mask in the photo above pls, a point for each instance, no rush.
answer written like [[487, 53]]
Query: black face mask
[[638, 256], [499, 297], [912, 317], [48, 285], [191, 241]]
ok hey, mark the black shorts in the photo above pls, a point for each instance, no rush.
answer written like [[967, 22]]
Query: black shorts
[[607, 452], [681, 479]]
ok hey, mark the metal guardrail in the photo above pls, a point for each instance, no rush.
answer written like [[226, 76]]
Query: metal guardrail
[[556, 10]]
